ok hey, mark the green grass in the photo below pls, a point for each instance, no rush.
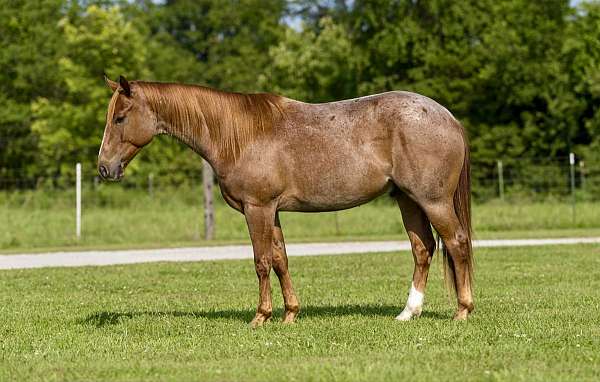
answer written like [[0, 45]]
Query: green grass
[[536, 318], [114, 217]]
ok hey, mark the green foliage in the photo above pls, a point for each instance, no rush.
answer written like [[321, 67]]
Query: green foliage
[[28, 59], [229, 39], [522, 76], [70, 126], [314, 67], [581, 55]]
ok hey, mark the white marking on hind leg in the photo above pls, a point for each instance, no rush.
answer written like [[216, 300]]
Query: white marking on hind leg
[[414, 305]]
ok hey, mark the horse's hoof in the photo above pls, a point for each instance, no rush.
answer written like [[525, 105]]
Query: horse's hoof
[[259, 320], [407, 315], [404, 316], [461, 315], [289, 317]]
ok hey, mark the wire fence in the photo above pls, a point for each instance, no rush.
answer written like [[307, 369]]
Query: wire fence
[[536, 179], [166, 206], [513, 179]]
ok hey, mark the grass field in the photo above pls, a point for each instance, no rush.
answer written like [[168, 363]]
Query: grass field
[[536, 319], [115, 217]]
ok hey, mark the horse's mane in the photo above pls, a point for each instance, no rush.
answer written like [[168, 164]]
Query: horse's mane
[[233, 119]]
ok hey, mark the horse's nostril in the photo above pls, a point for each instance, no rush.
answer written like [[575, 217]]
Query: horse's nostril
[[103, 172]]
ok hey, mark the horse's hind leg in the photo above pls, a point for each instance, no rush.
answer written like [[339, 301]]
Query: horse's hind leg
[[456, 241], [423, 246], [280, 265]]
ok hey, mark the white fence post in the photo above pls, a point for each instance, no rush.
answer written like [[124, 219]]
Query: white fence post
[[573, 197], [78, 200]]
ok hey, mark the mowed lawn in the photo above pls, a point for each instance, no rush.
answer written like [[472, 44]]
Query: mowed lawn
[[537, 318]]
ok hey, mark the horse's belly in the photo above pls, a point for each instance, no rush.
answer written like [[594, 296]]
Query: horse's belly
[[335, 190]]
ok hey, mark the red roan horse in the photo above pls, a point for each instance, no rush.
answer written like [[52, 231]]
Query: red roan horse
[[272, 154]]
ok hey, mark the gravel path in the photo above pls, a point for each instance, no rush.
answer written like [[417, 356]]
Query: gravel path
[[96, 258]]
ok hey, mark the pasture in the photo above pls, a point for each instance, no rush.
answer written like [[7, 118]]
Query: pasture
[[114, 217], [536, 318]]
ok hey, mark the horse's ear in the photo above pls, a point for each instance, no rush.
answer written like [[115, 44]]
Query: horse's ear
[[111, 84], [125, 86]]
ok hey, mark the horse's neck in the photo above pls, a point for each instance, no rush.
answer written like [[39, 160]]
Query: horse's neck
[[217, 125], [195, 135]]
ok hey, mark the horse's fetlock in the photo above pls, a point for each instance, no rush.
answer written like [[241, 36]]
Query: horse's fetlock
[[265, 312], [292, 308]]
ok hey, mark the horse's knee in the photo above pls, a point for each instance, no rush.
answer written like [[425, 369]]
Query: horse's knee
[[279, 256], [263, 268]]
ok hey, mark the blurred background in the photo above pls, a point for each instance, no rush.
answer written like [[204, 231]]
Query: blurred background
[[522, 76]]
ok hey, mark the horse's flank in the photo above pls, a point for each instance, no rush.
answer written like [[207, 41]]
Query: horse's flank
[[233, 120]]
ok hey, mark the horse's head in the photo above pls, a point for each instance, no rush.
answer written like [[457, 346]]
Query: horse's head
[[130, 125]]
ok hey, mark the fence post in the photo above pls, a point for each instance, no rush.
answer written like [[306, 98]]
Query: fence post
[[78, 200], [209, 212], [500, 180], [572, 168]]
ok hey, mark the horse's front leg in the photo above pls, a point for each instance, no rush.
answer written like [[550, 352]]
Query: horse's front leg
[[260, 221], [280, 265]]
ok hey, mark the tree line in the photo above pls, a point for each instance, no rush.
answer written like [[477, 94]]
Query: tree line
[[522, 76]]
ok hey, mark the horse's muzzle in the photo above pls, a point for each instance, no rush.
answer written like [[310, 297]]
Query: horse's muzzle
[[112, 172]]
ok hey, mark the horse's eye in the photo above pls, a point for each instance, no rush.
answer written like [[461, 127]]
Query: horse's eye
[[119, 120]]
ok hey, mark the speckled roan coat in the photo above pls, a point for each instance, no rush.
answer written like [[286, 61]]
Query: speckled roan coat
[[275, 154]]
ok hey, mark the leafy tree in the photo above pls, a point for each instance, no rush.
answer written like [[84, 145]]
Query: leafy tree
[[522, 76], [30, 42], [229, 39], [70, 124], [496, 65], [581, 60], [314, 67]]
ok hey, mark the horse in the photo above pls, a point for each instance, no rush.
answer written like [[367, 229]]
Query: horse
[[272, 153]]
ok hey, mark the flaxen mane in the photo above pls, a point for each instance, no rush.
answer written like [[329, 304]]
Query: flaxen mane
[[233, 119]]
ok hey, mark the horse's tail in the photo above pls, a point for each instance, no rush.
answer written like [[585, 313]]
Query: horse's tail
[[462, 208]]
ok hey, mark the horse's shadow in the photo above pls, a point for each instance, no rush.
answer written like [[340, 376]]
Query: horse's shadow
[[101, 319]]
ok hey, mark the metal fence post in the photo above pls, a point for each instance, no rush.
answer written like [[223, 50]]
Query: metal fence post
[[78, 200], [500, 180], [573, 198]]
